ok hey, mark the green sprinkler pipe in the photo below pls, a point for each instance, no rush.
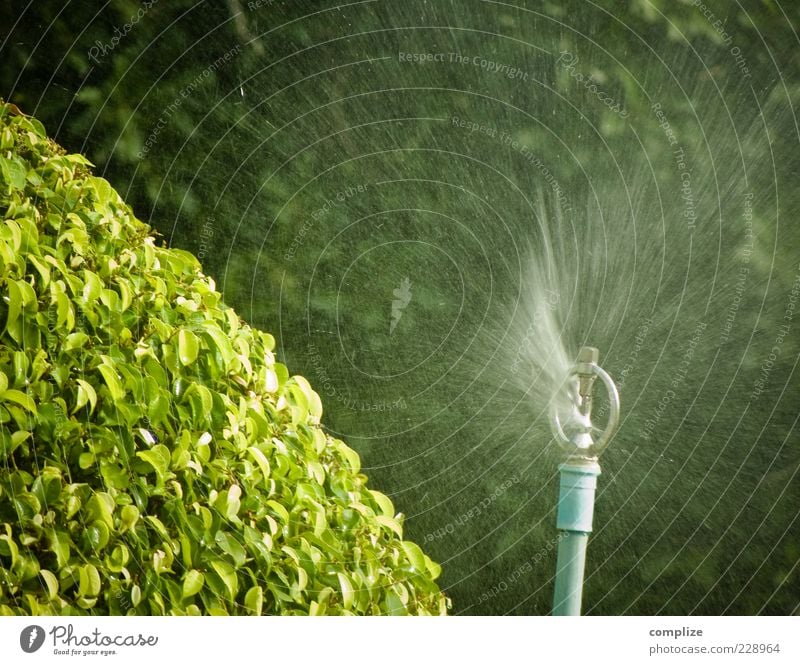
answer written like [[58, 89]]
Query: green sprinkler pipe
[[579, 478], [574, 520]]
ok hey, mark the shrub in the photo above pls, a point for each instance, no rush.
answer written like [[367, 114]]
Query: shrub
[[154, 456]]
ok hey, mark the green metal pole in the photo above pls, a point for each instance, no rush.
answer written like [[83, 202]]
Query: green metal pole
[[574, 520]]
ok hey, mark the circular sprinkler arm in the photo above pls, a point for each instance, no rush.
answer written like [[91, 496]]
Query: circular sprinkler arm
[[577, 440]]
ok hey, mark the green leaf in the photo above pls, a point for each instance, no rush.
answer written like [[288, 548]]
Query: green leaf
[[14, 303], [118, 558], [271, 383], [218, 340], [136, 595], [41, 268], [114, 475], [14, 172], [261, 460], [158, 408], [9, 548], [89, 581], [434, 569], [158, 525], [59, 544], [201, 401], [129, 515], [19, 437], [74, 341], [187, 346], [101, 507], [316, 471], [192, 583], [19, 397], [347, 590], [86, 460], [390, 523], [65, 312], [157, 457], [86, 394], [112, 381], [233, 503], [103, 191], [229, 545], [51, 583], [228, 576], [92, 287], [350, 455], [394, 604], [415, 555], [384, 503], [26, 505], [280, 510], [269, 341], [73, 505], [98, 535], [254, 600], [9, 443]]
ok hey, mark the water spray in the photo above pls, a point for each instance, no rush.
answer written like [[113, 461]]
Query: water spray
[[579, 472]]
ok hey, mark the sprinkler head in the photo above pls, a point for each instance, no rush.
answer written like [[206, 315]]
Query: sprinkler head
[[575, 435], [587, 358]]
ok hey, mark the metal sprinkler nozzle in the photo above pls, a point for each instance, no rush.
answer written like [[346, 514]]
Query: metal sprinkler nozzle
[[587, 357], [576, 435]]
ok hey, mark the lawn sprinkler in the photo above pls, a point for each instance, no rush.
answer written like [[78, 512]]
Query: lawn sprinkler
[[582, 443]]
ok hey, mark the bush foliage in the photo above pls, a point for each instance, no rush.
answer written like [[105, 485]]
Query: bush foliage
[[154, 456]]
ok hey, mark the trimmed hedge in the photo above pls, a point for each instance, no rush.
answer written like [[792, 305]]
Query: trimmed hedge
[[154, 456]]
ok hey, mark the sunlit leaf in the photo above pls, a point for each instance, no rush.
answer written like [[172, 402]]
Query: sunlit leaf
[[188, 346], [192, 583]]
